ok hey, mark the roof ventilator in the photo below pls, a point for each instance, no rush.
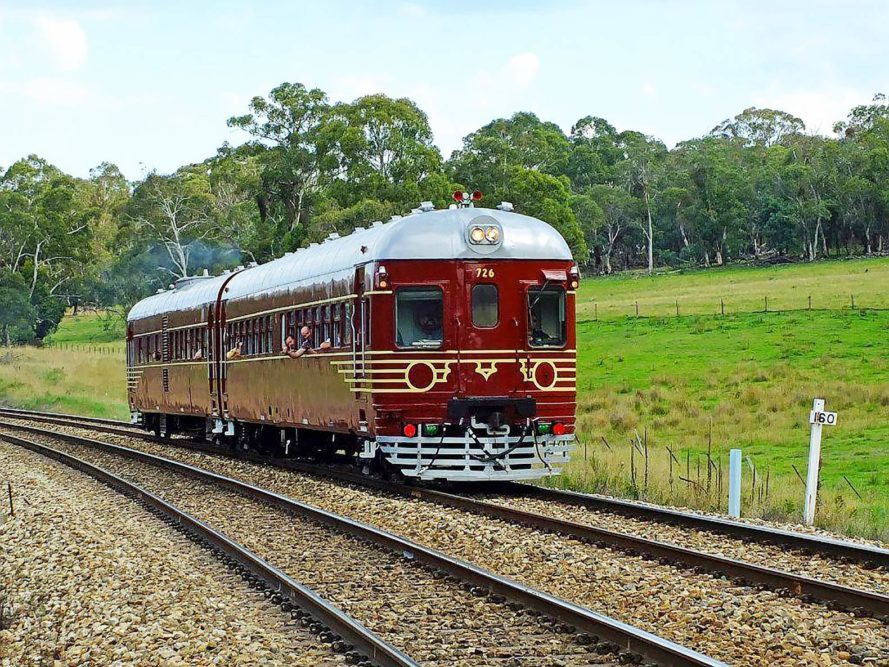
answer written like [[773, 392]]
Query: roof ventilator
[[505, 206]]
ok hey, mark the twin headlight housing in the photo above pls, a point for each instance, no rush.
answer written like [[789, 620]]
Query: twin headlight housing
[[479, 235]]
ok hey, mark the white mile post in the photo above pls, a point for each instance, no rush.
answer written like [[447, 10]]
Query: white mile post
[[817, 418], [734, 483]]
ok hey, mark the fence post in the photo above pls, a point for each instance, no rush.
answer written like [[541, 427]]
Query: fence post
[[722, 306], [734, 483], [767, 304], [637, 309], [677, 307], [595, 312], [853, 301], [810, 302]]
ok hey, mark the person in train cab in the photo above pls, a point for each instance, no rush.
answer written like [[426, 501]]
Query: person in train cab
[[198, 355], [294, 351], [235, 352]]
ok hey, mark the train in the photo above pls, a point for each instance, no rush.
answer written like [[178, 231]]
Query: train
[[435, 346]]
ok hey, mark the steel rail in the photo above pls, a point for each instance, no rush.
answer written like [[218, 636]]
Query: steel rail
[[622, 635], [365, 641], [815, 544], [807, 588]]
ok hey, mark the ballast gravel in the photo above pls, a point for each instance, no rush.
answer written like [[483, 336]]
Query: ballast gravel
[[432, 618], [820, 567], [736, 624], [90, 577]]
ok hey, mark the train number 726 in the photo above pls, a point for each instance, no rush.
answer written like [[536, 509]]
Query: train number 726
[[481, 272]]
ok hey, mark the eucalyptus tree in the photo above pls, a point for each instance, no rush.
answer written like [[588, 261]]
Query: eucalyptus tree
[[805, 181], [490, 153], [286, 129], [174, 213], [382, 148], [620, 209], [760, 127], [643, 160], [595, 153], [45, 237]]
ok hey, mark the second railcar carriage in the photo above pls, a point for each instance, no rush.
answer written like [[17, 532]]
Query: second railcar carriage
[[442, 346]]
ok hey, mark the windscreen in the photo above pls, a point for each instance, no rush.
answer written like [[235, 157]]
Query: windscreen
[[418, 317], [546, 317]]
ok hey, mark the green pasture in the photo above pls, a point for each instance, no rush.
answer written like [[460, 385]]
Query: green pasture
[[746, 379]]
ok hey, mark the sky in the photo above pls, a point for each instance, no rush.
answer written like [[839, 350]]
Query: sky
[[150, 85]]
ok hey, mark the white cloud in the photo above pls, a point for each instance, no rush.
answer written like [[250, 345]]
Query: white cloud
[[65, 38], [522, 68], [819, 109]]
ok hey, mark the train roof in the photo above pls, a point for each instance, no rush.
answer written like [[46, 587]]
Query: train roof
[[426, 235]]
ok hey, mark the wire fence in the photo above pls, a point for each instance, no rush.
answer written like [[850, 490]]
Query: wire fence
[[109, 349], [591, 309]]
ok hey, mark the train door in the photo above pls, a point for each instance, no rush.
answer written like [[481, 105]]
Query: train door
[[489, 333], [359, 322], [218, 342], [209, 347]]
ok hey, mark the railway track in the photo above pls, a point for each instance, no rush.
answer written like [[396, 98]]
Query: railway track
[[291, 595], [269, 477], [557, 511], [750, 533], [90, 576], [442, 610]]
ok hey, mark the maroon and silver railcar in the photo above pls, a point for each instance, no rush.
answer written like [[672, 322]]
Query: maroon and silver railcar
[[452, 349]]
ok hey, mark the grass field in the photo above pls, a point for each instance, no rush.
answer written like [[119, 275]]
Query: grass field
[[745, 380], [831, 284]]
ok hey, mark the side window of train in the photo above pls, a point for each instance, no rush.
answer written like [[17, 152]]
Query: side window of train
[[418, 317], [546, 317], [485, 306]]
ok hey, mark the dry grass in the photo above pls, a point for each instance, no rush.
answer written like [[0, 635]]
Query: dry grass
[[76, 381]]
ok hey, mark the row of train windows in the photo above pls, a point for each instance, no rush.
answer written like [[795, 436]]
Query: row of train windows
[[254, 336], [257, 335], [181, 344]]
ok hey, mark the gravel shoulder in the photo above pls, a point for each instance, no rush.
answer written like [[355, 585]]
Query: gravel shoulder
[[436, 620], [736, 624], [88, 576]]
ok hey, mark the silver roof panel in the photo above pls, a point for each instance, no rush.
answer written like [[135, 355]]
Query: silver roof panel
[[421, 236]]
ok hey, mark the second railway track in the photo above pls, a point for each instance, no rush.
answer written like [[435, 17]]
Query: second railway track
[[759, 611]]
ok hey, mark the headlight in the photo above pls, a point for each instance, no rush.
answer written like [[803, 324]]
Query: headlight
[[477, 235], [492, 234]]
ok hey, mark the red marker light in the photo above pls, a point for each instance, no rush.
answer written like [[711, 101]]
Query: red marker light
[[477, 195], [410, 430], [558, 428], [458, 195]]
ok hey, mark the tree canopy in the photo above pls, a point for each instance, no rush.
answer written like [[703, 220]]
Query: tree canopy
[[757, 185]]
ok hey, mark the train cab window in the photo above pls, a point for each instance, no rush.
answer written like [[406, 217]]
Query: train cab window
[[485, 306], [546, 317], [418, 317]]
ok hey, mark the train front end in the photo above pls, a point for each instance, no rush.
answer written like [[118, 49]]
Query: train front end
[[471, 371]]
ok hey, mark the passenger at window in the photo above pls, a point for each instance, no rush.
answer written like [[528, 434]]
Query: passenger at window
[[294, 351], [198, 355], [235, 352]]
